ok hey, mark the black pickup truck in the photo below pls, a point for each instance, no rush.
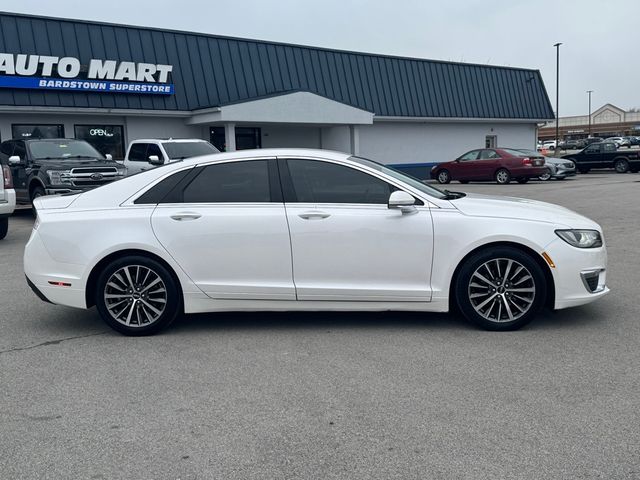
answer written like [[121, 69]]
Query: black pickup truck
[[48, 166], [605, 155]]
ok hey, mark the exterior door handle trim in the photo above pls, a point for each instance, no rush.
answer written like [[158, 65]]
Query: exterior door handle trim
[[185, 216], [314, 215]]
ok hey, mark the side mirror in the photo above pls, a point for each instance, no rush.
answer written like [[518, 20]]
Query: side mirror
[[14, 160], [155, 160], [108, 156], [402, 201]]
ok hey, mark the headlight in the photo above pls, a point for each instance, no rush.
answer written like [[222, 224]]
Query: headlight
[[581, 238], [59, 177]]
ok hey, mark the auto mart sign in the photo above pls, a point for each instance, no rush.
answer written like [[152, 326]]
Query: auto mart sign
[[43, 72]]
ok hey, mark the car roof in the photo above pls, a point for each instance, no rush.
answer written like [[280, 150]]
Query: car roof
[[266, 153], [170, 140]]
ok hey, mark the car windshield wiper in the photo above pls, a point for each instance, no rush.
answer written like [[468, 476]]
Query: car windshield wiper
[[453, 195]]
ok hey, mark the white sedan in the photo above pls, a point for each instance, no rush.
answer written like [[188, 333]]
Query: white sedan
[[297, 229]]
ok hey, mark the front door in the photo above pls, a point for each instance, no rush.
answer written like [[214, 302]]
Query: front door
[[347, 245], [226, 227]]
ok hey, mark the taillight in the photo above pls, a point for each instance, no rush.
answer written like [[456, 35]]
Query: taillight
[[8, 180], [527, 161]]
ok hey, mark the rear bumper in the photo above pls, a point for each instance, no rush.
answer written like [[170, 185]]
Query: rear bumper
[[7, 202]]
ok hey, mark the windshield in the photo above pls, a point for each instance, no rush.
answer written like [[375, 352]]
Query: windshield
[[403, 177], [181, 150], [61, 149]]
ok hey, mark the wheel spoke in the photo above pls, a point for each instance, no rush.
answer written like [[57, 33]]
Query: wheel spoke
[[521, 290], [483, 278], [506, 304]]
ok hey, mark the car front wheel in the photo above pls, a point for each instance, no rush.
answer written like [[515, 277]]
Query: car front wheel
[[444, 176], [136, 295], [500, 288], [545, 176], [503, 176]]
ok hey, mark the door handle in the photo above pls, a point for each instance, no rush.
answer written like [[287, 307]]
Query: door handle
[[185, 216], [314, 214]]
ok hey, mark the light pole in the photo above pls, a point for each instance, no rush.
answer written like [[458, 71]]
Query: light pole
[[557, 45], [589, 92]]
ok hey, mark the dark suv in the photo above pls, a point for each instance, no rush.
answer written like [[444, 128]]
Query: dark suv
[[605, 155], [59, 165]]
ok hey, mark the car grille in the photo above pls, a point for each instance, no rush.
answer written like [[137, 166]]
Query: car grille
[[93, 176]]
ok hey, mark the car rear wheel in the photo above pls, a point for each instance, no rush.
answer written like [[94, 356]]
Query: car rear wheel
[[522, 180], [4, 227], [136, 295], [621, 165], [503, 176], [444, 176], [500, 288]]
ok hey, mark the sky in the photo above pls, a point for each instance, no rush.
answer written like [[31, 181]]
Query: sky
[[598, 52]]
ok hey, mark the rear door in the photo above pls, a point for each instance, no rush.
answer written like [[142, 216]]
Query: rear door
[[489, 161], [225, 225]]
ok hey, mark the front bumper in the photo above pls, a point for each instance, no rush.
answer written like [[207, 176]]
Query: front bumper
[[580, 274]]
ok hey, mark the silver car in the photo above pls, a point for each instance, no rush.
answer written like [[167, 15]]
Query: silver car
[[559, 168]]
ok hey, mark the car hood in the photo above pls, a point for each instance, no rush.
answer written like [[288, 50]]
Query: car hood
[[66, 164], [478, 205]]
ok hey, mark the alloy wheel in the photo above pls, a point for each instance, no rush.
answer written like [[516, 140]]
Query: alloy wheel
[[135, 296], [501, 290]]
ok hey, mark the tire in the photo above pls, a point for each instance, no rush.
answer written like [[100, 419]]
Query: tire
[[4, 227], [522, 180], [503, 177], [443, 176], [621, 165], [464, 181], [478, 284], [33, 194], [545, 177], [143, 313]]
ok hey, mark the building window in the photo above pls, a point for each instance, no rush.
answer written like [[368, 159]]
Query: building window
[[27, 131], [248, 138], [217, 138], [491, 141], [107, 139]]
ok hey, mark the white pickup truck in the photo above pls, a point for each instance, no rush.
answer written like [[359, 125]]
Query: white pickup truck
[[7, 199], [144, 154]]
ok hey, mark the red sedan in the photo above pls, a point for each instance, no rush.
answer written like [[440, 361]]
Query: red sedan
[[499, 164]]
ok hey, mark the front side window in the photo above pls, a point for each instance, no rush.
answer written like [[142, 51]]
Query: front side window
[[154, 149], [593, 149], [234, 182], [610, 147], [6, 149], [182, 150], [472, 155], [138, 152], [324, 182]]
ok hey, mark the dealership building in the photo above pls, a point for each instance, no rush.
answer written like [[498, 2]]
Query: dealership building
[[111, 84]]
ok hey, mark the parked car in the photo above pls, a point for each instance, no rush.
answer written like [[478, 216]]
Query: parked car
[[619, 141], [300, 229], [589, 140], [634, 141], [60, 165], [549, 145], [605, 155], [149, 153], [558, 168], [499, 164], [7, 199], [572, 145]]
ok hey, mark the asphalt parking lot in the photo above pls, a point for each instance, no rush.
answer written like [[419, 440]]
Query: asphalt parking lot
[[389, 395]]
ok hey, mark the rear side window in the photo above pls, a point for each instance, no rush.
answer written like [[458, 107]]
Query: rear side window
[[609, 147], [233, 182], [324, 182], [593, 149], [138, 152], [161, 190], [488, 155]]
